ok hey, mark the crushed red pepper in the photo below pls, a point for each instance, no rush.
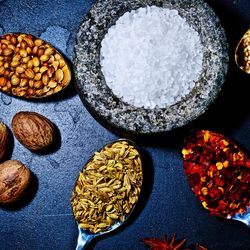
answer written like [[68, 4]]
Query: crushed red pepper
[[218, 173]]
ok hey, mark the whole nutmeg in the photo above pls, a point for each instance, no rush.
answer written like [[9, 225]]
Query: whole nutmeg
[[34, 131], [3, 140], [14, 179]]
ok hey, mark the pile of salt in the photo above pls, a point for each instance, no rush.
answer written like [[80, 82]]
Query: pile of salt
[[151, 57]]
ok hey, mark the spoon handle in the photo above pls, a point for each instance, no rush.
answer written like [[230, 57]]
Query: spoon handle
[[83, 240]]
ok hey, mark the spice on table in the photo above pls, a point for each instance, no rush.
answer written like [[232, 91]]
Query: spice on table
[[108, 187], [4, 135], [151, 57], [218, 173], [34, 131], [30, 67], [242, 53], [171, 244], [14, 181]]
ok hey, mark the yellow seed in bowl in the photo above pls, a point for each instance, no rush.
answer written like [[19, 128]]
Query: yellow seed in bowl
[[2, 70], [31, 83], [37, 76], [43, 69], [49, 51], [50, 72], [23, 53], [36, 61], [38, 42], [44, 58], [24, 82], [21, 93], [30, 64], [51, 59], [11, 46], [14, 64], [61, 63], [15, 80], [113, 216], [7, 52], [57, 89], [29, 73], [5, 41], [46, 89], [30, 92], [45, 79], [55, 64], [5, 89], [38, 84], [20, 69], [29, 51], [29, 42], [36, 69], [66, 75], [49, 93], [57, 56], [52, 84], [35, 50], [39, 92], [16, 58], [3, 81], [27, 62], [26, 59], [59, 75]]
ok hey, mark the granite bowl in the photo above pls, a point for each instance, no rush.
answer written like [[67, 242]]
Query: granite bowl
[[119, 116]]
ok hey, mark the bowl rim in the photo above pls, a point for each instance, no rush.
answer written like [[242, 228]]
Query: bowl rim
[[119, 116]]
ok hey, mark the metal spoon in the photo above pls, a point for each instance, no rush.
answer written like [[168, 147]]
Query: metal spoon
[[53, 72], [218, 172], [242, 53], [244, 218], [85, 236]]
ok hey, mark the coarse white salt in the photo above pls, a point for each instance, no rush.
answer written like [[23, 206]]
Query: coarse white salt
[[151, 57]]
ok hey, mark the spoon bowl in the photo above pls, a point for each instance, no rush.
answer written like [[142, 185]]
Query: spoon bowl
[[218, 172], [89, 227], [244, 217], [242, 53], [31, 68], [85, 236]]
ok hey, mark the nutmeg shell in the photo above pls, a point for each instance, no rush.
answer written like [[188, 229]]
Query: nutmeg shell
[[3, 139], [14, 180], [34, 131]]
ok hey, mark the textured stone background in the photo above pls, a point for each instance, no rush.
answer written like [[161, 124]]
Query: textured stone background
[[44, 220]]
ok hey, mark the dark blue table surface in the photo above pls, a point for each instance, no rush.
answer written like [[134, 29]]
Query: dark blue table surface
[[45, 220]]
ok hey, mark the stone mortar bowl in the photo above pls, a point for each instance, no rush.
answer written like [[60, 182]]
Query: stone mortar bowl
[[119, 116]]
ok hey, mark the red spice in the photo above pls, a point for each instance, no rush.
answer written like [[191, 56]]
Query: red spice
[[171, 244], [157, 244], [218, 173]]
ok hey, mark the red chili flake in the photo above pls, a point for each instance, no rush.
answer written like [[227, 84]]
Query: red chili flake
[[218, 173], [219, 182]]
